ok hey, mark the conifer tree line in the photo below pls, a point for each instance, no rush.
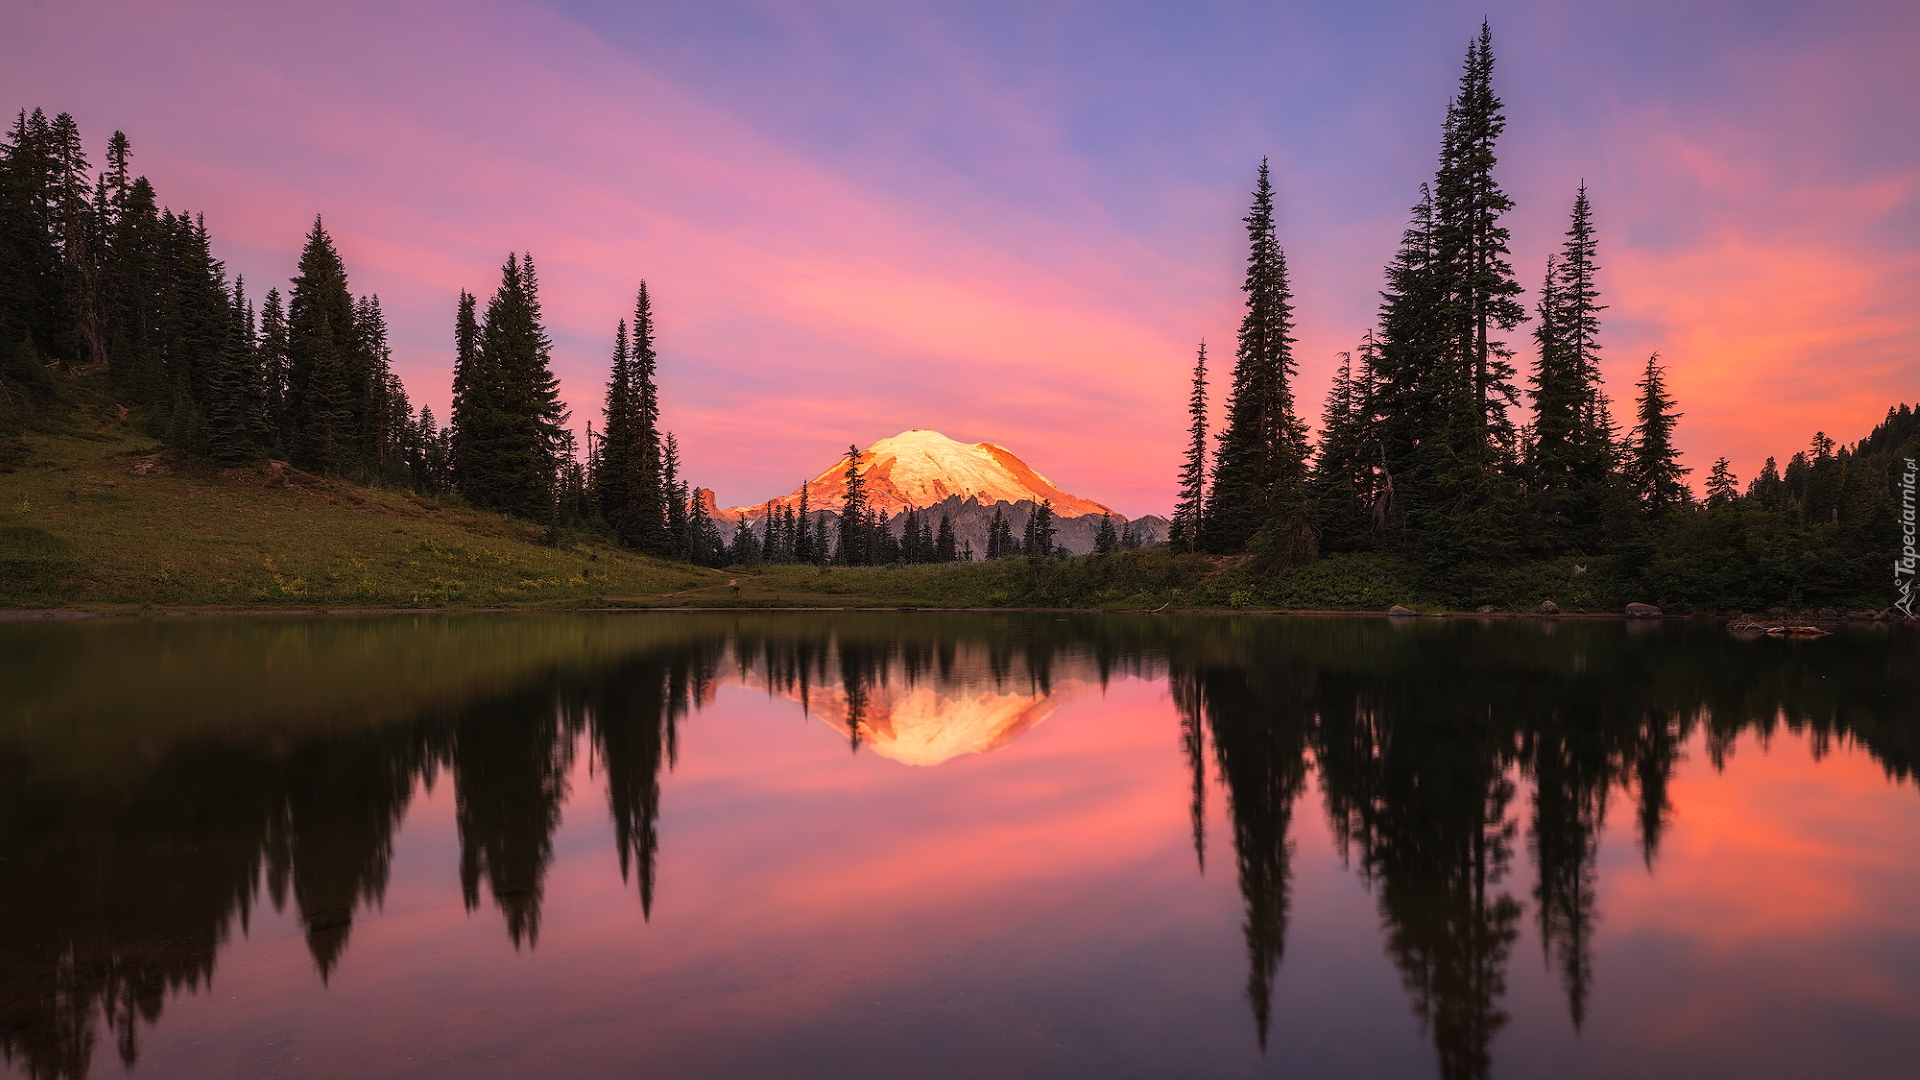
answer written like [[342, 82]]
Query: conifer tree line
[[1429, 446], [96, 274]]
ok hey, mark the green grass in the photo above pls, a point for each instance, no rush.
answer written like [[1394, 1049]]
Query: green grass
[[82, 527], [107, 520], [96, 516]]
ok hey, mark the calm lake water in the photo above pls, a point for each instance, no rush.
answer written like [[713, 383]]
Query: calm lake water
[[851, 845]]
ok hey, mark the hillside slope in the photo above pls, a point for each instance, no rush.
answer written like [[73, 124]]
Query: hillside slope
[[109, 520]]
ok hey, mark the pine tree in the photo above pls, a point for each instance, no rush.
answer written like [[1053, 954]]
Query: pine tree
[[1472, 244], [1448, 483], [135, 273], [1106, 541], [273, 369], [773, 544], [320, 359], [705, 545], [854, 527], [745, 550], [205, 368], [1767, 488], [571, 499], [914, 545], [884, 549], [1038, 540], [429, 461], [1571, 455], [1654, 471], [380, 403], [614, 464], [646, 485], [1259, 470], [1414, 387], [822, 542], [679, 538], [512, 464], [1187, 513], [945, 549], [997, 532], [1722, 486], [33, 302], [804, 550], [75, 202], [235, 407], [1344, 483]]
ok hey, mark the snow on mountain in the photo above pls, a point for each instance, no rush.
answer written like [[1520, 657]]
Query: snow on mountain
[[980, 703], [922, 468], [926, 725]]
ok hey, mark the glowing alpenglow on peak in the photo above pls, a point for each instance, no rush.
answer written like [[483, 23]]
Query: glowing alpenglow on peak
[[927, 725], [922, 468]]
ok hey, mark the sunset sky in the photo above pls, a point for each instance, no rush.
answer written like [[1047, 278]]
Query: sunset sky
[[1013, 222]]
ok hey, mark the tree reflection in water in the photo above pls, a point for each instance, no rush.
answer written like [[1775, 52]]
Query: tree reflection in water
[[139, 830]]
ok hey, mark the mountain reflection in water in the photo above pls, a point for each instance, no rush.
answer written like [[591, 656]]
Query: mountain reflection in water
[[143, 817]]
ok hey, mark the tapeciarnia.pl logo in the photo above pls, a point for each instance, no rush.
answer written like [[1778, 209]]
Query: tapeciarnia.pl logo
[[1903, 567]]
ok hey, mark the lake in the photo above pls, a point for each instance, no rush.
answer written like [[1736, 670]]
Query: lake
[[931, 845]]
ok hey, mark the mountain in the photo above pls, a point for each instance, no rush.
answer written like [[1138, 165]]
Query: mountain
[[924, 470], [980, 702], [921, 468], [929, 724]]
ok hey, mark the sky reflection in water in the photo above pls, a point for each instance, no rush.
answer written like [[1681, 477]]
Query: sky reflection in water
[[947, 845]]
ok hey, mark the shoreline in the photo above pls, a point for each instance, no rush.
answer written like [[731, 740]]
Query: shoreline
[[73, 614]]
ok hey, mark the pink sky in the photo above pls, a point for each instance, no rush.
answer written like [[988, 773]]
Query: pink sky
[[863, 220]]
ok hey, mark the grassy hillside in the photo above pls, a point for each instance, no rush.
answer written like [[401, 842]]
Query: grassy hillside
[[96, 516], [107, 520], [111, 520]]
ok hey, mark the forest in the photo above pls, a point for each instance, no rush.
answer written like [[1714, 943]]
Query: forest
[[1436, 455]]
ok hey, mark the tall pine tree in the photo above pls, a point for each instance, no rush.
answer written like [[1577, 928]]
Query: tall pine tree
[[613, 463], [1472, 244], [1443, 378], [474, 389], [512, 458], [854, 526], [1259, 474], [320, 359], [1571, 457], [1188, 513], [646, 483]]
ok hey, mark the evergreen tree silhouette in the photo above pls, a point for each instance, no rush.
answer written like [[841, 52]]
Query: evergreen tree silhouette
[[1654, 471], [1259, 472], [1570, 459], [1187, 524], [855, 530]]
